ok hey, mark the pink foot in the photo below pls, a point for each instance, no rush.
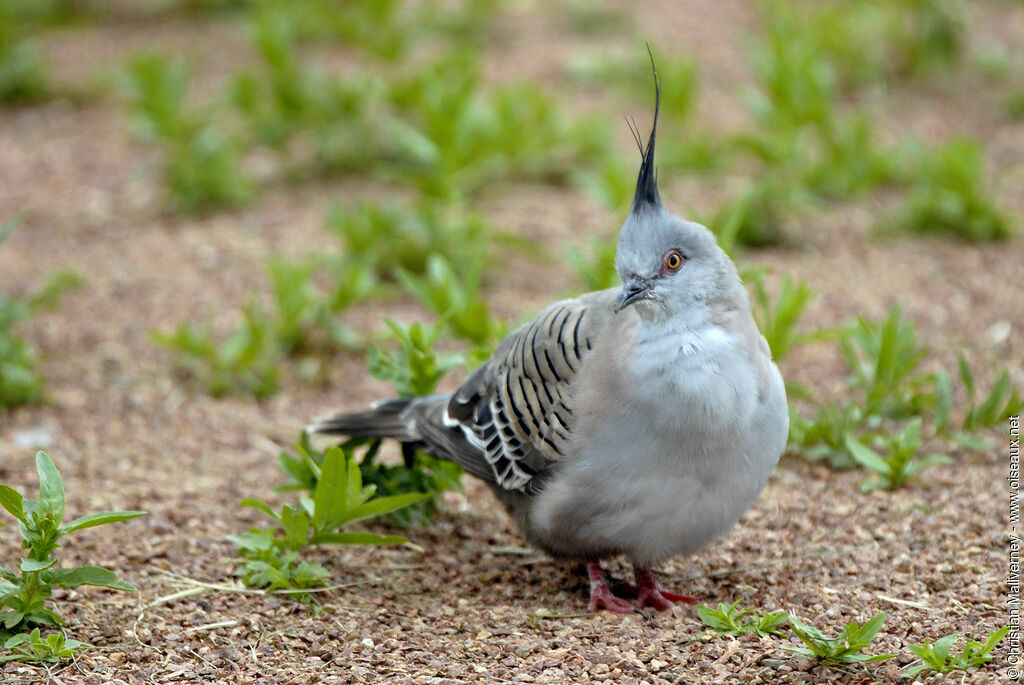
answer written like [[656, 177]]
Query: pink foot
[[650, 593], [601, 596]]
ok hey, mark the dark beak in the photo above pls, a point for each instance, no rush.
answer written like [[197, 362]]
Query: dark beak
[[633, 291]]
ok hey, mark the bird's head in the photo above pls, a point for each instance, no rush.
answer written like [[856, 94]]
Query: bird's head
[[667, 264]]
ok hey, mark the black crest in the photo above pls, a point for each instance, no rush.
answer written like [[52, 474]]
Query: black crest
[[646, 196]]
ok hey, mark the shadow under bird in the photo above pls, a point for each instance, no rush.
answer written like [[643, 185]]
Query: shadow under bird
[[639, 422]]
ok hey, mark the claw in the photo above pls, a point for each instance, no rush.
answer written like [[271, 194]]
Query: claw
[[601, 596], [650, 593]]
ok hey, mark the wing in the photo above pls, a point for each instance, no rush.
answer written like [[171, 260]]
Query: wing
[[515, 411]]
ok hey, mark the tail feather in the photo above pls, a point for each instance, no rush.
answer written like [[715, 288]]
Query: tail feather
[[387, 419]]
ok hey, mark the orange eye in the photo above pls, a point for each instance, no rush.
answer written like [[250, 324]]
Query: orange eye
[[673, 260]]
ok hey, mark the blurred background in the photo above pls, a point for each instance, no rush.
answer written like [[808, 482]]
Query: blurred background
[[210, 207]]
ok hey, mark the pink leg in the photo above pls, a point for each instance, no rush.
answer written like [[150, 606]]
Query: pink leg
[[601, 596], [650, 593]]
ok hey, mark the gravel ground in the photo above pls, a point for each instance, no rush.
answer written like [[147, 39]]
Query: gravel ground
[[471, 605]]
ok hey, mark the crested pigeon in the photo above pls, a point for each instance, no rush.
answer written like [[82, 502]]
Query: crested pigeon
[[641, 421]]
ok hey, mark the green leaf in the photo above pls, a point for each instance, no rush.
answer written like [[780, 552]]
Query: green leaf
[[966, 376], [11, 500], [869, 629], [260, 505], [972, 442], [943, 401], [356, 539], [867, 457], [32, 565], [7, 588], [99, 519], [51, 487], [87, 575], [381, 506], [331, 496], [994, 639], [942, 646], [356, 494]]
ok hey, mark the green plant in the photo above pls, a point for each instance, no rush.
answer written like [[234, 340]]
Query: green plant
[[339, 499], [865, 43], [294, 108], [56, 647], [414, 369], [884, 360], [897, 463], [202, 165], [727, 619], [845, 649], [777, 320], [938, 657], [383, 237], [19, 382], [1014, 104], [611, 182], [304, 317], [244, 362], [23, 75], [452, 137], [417, 474], [950, 196], [823, 436], [756, 217], [796, 86], [456, 299], [24, 595], [596, 271], [1002, 402]]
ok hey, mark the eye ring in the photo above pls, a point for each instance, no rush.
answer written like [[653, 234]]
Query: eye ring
[[673, 260]]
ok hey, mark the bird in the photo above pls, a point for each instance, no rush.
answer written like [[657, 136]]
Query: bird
[[640, 421]]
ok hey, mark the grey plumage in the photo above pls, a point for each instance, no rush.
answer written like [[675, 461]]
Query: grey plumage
[[642, 422]]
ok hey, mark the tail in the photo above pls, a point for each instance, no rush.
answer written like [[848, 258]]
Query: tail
[[394, 419]]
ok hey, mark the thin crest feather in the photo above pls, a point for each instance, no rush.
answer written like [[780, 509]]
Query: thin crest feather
[[646, 195]]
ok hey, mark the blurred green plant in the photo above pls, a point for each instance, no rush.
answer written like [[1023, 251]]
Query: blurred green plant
[[202, 164], [897, 462], [305, 316], [307, 297], [455, 298], [938, 657], [244, 362], [1014, 104], [452, 137], [1002, 402], [884, 359], [290, 106], [414, 369], [778, 319], [19, 382], [950, 196], [596, 270], [384, 238], [612, 182], [867, 43], [24, 595], [23, 76], [822, 436]]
